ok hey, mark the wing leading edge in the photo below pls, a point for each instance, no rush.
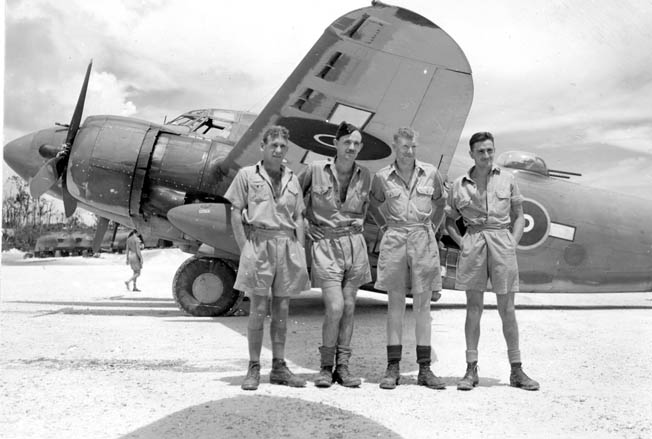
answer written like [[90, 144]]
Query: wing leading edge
[[378, 67]]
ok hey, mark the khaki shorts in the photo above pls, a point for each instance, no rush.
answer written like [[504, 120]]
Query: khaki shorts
[[488, 255], [409, 260], [342, 260], [272, 260], [134, 263]]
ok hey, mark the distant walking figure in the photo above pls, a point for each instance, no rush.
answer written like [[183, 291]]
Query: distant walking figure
[[134, 258]]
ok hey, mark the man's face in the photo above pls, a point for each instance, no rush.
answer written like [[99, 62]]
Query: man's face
[[349, 146], [274, 150], [483, 153], [405, 150]]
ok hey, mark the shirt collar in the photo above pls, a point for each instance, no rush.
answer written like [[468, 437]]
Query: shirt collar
[[495, 170], [418, 165]]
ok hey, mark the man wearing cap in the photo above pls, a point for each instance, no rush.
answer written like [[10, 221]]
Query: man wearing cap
[[267, 220], [407, 200], [337, 195], [490, 203]]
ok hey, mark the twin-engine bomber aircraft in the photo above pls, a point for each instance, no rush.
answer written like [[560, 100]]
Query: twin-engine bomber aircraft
[[379, 68]]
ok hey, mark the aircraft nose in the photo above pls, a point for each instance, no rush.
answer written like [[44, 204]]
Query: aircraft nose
[[17, 155]]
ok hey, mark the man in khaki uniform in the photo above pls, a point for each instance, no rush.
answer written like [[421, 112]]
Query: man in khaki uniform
[[134, 258], [337, 192], [267, 221], [407, 200], [487, 199]]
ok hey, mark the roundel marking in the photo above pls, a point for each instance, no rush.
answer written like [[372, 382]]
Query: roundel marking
[[311, 134], [537, 224], [330, 139]]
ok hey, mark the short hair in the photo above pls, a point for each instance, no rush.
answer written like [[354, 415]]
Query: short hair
[[276, 131], [406, 133], [480, 137], [344, 129]]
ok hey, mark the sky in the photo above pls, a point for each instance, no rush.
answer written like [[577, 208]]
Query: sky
[[568, 80]]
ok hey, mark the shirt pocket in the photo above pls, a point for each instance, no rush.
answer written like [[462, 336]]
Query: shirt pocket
[[289, 199], [258, 193], [393, 201], [423, 200], [355, 202], [503, 197]]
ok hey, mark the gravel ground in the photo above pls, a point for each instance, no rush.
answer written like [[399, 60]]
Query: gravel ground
[[82, 357]]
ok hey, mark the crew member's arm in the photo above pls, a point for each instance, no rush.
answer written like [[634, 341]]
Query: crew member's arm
[[518, 223], [305, 182], [127, 252], [518, 219], [439, 198], [237, 194], [376, 199], [238, 227], [452, 215]]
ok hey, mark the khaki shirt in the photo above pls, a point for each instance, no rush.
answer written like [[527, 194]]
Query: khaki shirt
[[410, 202], [484, 212], [324, 207], [252, 192]]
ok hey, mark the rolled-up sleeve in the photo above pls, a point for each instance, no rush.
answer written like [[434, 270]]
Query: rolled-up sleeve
[[237, 192]]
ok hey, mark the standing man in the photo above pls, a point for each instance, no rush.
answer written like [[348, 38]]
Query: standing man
[[267, 220], [487, 199], [407, 201], [338, 194], [134, 258]]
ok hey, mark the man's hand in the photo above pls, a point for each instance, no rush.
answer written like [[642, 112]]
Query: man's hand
[[314, 232]]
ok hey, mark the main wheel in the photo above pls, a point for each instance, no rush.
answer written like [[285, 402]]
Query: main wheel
[[203, 287]]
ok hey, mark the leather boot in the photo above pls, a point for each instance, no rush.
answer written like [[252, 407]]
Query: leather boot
[[392, 376], [426, 377], [325, 378], [470, 378], [280, 374], [429, 379], [342, 374], [252, 379], [518, 378]]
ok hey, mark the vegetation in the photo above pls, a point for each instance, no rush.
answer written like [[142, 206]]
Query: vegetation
[[25, 218]]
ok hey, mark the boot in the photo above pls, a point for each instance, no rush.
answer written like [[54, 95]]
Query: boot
[[426, 377], [252, 379], [342, 374], [470, 378], [518, 378], [280, 374], [429, 379], [325, 378], [392, 376]]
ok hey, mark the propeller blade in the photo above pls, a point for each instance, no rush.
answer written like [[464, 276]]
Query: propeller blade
[[69, 203], [79, 109], [102, 225], [45, 178]]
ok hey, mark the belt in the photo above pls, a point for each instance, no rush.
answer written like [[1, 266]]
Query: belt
[[407, 226], [338, 232], [487, 227], [260, 233]]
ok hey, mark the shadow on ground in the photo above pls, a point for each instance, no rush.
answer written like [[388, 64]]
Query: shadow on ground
[[256, 416]]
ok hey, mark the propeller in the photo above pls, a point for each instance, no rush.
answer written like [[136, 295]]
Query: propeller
[[56, 167]]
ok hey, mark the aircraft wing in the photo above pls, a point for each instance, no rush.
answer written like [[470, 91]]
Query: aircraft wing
[[380, 68]]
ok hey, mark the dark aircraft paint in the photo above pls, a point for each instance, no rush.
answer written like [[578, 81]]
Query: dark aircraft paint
[[318, 136], [537, 224]]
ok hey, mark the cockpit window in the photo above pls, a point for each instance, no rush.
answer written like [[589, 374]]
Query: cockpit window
[[526, 161], [203, 126]]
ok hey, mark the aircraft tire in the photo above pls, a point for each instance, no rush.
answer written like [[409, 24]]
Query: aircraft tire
[[197, 284]]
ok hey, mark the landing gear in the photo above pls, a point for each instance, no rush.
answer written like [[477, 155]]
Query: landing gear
[[203, 287]]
